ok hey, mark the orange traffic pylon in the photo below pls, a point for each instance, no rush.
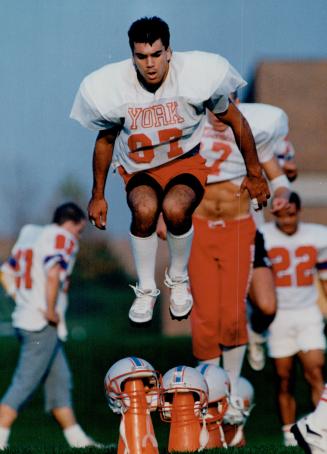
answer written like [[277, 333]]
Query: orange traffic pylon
[[234, 435], [136, 429], [185, 426], [215, 431]]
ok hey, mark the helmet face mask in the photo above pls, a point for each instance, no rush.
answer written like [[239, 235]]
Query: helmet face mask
[[183, 379], [241, 404], [124, 370], [219, 390]]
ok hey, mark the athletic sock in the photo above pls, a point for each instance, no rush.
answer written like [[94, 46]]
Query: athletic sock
[[76, 437], [233, 361], [4, 437], [179, 249], [319, 416], [214, 361], [144, 253]]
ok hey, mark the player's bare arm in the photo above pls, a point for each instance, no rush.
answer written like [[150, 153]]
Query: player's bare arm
[[254, 182], [279, 185], [52, 290], [102, 157], [324, 287]]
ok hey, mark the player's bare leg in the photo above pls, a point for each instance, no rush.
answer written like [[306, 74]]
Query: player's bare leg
[[7, 417], [178, 206], [73, 433], [264, 304], [286, 401], [143, 201], [313, 364]]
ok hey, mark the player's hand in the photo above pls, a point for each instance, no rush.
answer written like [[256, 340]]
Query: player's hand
[[52, 317], [97, 211], [258, 190], [161, 228], [278, 204]]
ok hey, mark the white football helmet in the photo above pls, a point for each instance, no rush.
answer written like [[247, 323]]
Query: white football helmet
[[120, 372], [240, 405], [246, 392], [219, 386], [184, 379]]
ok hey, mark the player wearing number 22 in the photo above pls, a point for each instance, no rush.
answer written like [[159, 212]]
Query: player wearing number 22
[[41, 261], [297, 250], [150, 111]]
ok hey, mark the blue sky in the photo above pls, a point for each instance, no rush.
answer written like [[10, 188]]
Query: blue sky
[[48, 46]]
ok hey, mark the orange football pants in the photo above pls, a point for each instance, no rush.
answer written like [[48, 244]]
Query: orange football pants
[[219, 269], [194, 165]]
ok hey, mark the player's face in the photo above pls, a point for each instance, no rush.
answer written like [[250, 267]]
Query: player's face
[[152, 62], [75, 229], [290, 169], [287, 220], [216, 123]]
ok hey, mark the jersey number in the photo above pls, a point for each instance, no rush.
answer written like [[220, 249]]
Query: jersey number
[[146, 155], [225, 149], [24, 260], [306, 259]]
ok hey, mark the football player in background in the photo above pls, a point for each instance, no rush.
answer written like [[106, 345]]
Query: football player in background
[[41, 261], [149, 112], [224, 231], [262, 299], [297, 251]]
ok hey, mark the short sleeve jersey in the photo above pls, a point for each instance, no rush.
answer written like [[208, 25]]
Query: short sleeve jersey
[[269, 126], [295, 259], [36, 250], [155, 128]]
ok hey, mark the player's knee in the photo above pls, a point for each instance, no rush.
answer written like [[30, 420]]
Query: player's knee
[[172, 211], [314, 376], [144, 218], [284, 381]]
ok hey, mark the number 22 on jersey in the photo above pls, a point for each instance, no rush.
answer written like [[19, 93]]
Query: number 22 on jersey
[[293, 268]]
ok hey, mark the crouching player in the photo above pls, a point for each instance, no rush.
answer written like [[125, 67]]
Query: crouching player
[[42, 260]]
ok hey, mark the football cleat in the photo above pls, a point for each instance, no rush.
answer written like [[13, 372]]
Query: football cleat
[[288, 437], [181, 300], [88, 442], [310, 438], [141, 310], [256, 352]]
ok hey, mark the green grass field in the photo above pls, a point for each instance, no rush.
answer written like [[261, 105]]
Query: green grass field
[[100, 335]]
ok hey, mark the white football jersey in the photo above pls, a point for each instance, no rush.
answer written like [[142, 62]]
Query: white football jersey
[[284, 152], [36, 250], [295, 259], [269, 126], [155, 127]]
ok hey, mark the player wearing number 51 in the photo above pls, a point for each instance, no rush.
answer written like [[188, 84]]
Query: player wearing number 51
[[150, 114], [297, 251], [41, 261]]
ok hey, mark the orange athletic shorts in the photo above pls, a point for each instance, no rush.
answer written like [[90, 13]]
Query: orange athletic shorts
[[219, 269], [194, 165]]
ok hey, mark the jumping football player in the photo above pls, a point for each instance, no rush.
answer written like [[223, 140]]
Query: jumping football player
[[150, 112]]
